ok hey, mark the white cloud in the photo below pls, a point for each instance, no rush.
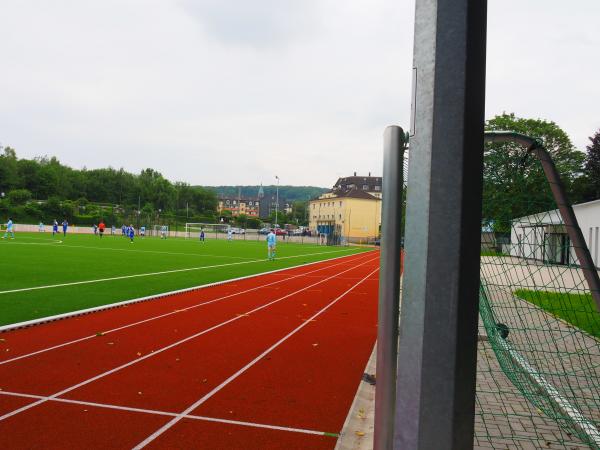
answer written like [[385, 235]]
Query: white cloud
[[258, 23], [234, 92]]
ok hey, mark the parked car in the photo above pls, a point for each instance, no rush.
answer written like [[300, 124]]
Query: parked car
[[238, 230], [280, 232], [264, 231], [297, 232]]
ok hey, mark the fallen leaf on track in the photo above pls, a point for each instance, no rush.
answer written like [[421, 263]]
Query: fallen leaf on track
[[139, 354], [359, 433]]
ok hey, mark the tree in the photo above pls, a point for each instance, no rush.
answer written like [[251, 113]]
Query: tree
[[592, 166], [18, 197], [299, 212], [9, 176], [514, 183], [56, 185]]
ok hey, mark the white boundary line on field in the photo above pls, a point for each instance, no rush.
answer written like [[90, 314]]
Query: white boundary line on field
[[133, 250], [170, 414], [163, 272], [181, 341], [80, 312], [139, 322], [195, 405]]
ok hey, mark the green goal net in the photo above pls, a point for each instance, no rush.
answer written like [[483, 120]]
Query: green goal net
[[538, 377]]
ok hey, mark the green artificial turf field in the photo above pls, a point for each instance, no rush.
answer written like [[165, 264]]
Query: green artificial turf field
[[36, 260]]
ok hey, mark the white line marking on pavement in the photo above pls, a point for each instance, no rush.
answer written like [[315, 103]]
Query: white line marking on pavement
[[166, 413], [563, 405], [124, 277], [74, 341], [175, 344], [193, 406]]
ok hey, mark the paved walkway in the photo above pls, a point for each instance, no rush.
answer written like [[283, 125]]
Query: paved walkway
[[566, 358]]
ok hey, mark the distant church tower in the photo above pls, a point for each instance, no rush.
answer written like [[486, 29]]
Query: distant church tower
[[263, 207]]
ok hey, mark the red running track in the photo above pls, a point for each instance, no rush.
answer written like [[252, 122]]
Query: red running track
[[272, 361]]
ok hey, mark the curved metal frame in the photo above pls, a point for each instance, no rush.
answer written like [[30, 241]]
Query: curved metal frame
[[536, 147]]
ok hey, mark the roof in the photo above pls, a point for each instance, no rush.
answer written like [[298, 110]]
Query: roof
[[344, 183], [357, 193], [240, 200], [352, 193], [590, 203]]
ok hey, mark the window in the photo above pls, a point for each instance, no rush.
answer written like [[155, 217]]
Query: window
[[365, 187], [340, 203], [377, 188]]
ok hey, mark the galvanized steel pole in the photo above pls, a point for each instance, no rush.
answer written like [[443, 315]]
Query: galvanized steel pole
[[389, 286], [438, 325]]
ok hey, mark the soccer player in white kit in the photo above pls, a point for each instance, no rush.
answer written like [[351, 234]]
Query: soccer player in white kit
[[271, 245], [9, 229]]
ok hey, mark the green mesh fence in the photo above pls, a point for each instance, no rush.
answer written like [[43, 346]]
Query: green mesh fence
[[538, 379]]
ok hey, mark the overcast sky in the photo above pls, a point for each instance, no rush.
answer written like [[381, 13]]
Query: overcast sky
[[237, 91]]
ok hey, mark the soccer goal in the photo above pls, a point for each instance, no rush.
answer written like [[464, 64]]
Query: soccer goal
[[211, 230], [539, 306]]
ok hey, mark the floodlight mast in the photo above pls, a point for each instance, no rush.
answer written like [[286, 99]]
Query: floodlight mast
[[435, 389]]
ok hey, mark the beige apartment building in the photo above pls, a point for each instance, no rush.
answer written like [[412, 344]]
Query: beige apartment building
[[352, 209]]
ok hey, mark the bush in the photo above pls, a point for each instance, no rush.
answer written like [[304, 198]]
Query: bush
[[33, 211], [52, 208], [19, 196], [85, 219]]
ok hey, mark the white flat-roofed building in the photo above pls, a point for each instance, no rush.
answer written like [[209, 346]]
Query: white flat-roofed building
[[544, 237]]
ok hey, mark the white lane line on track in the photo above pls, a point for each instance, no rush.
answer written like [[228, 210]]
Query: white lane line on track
[[74, 341], [194, 405], [80, 312], [175, 344], [128, 250], [149, 274], [170, 414]]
